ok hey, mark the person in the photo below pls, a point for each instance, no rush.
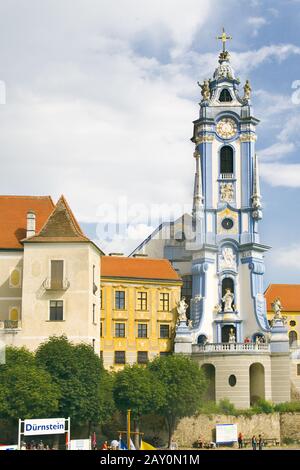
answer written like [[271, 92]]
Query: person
[[200, 442], [260, 442], [240, 440], [104, 446], [174, 445], [253, 442]]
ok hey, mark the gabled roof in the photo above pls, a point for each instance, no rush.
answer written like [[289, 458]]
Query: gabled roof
[[289, 295], [61, 226], [13, 217], [138, 268]]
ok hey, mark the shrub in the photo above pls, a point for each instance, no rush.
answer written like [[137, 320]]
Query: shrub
[[263, 406]]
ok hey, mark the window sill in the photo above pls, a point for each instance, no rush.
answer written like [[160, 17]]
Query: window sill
[[55, 321]]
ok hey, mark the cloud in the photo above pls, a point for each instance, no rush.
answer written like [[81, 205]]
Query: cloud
[[287, 257], [256, 22], [277, 151], [277, 174]]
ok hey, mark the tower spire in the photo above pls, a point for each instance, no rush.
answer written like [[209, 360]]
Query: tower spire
[[256, 195], [198, 194]]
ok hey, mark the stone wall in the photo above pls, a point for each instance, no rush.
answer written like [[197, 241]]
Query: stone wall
[[190, 429], [290, 426]]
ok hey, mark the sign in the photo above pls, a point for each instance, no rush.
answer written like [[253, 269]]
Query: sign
[[7, 447], [80, 444], [226, 433], [36, 427]]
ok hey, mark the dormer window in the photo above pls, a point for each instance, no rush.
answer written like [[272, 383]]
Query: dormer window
[[225, 96]]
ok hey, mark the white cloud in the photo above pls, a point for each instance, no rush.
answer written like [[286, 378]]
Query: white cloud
[[287, 257], [256, 22], [277, 151], [277, 174]]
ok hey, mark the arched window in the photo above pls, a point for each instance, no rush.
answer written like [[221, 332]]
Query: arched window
[[226, 160], [293, 338], [225, 96]]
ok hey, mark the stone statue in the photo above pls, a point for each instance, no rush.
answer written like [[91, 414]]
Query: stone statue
[[277, 308], [181, 310], [218, 308], [205, 90], [227, 259], [247, 90], [228, 299], [231, 336], [190, 324]]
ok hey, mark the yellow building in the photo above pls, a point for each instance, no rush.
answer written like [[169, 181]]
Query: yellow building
[[289, 295], [138, 309]]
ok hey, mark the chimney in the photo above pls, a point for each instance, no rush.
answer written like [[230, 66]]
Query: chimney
[[116, 254], [30, 230]]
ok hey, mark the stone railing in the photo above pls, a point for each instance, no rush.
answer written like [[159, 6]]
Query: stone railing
[[50, 284], [227, 176], [231, 347], [10, 325]]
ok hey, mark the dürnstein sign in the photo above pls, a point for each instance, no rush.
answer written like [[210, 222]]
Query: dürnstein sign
[[44, 426]]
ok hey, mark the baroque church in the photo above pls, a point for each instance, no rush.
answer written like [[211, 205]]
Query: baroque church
[[218, 252]]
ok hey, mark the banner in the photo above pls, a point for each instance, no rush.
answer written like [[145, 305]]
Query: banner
[[44, 426], [226, 433]]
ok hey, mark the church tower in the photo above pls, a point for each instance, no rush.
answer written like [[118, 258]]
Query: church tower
[[228, 264]]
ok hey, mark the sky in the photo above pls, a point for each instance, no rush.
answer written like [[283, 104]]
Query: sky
[[98, 98]]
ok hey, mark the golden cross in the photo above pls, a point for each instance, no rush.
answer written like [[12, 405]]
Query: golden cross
[[224, 38]]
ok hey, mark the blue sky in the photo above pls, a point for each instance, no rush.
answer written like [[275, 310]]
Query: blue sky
[[100, 99]]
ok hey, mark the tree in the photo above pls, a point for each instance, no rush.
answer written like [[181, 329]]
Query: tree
[[135, 388], [184, 383], [26, 389], [86, 390]]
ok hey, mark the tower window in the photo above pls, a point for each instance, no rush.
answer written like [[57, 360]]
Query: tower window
[[226, 160], [225, 96]]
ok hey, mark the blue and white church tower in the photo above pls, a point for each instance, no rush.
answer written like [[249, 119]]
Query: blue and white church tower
[[220, 256], [227, 263]]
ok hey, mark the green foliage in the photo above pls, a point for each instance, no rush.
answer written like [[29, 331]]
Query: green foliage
[[184, 383], [263, 406], [26, 389], [137, 389], [288, 407], [85, 386], [226, 407]]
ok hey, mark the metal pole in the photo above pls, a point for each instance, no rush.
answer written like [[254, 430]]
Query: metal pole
[[128, 429], [69, 431], [19, 435]]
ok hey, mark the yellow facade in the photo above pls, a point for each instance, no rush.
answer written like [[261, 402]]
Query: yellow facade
[[293, 324], [142, 320]]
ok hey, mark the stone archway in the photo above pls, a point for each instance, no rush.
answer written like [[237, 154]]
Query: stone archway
[[210, 372], [256, 382]]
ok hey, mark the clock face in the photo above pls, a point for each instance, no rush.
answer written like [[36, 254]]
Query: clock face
[[227, 223], [226, 128]]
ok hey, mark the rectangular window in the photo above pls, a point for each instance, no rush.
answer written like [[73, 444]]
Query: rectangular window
[[120, 357], [95, 288], [142, 330], [164, 302], [142, 301], [120, 330], [164, 331], [56, 310], [57, 274], [142, 357], [101, 329], [298, 369], [94, 313], [101, 299], [120, 300]]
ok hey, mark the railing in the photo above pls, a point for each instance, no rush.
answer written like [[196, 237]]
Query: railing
[[10, 324], [50, 284], [227, 176], [231, 347]]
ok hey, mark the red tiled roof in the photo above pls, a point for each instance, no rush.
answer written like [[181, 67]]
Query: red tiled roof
[[289, 295], [13, 217], [138, 268], [61, 226]]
